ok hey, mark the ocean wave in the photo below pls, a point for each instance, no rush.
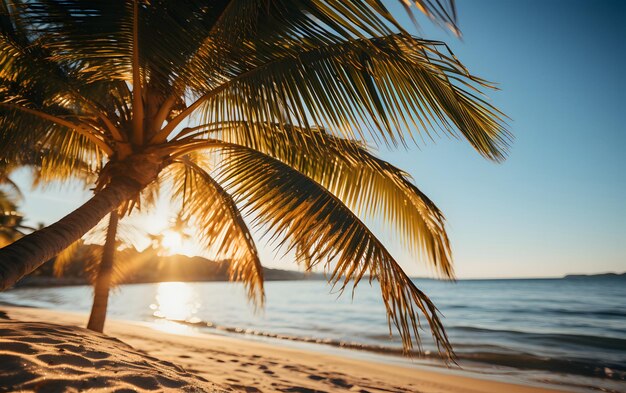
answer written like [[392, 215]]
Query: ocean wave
[[486, 354], [526, 361], [598, 342], [595, 313]]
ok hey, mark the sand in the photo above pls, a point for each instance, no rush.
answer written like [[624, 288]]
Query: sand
[[48, 351]]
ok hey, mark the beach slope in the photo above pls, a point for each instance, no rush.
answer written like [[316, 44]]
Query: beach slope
[[47, 357], [59, 352]]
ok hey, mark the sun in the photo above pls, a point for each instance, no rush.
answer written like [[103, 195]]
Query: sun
[[172, 242]]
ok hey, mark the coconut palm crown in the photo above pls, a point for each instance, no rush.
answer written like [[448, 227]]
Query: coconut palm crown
[[247, 108]]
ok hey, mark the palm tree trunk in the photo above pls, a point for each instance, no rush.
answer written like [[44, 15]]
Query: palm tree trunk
[[28, 253], [103, 278]]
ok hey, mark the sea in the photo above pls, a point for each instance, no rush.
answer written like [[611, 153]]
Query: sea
[[567, 332]]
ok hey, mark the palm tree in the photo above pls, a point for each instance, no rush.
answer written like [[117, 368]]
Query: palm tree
[[245, 106], [102, 283]]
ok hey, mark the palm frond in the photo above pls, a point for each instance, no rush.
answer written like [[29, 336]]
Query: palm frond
[[218, 222], [65, 257], [389, 86], [29, 68], [67, 155], [150, 194], [441, 12], [126, 233], [14, 192], [303, 214], [256, 22], [369, 186], [8, 206]]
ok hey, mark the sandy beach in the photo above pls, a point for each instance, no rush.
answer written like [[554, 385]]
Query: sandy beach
[[157, 361]]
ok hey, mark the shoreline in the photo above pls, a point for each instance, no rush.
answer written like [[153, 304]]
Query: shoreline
[[255, 366]]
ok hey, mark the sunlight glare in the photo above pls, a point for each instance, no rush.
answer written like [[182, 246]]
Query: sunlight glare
[[172, 242], [175, 301]]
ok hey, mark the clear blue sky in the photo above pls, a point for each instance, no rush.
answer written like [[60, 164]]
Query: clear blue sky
[[556, 206]]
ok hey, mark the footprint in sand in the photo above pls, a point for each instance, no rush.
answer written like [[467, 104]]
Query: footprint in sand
[[17, 347], [341, 383], [301, 389], [41, 340], [248, 389], [65, 359], [15, 370], [148, 383]]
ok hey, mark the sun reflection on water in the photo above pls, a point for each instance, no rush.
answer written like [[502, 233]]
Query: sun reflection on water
[[176, 301]]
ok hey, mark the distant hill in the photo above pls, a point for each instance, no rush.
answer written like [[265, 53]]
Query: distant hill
[[183, 268], [135, 267], [602, 275]]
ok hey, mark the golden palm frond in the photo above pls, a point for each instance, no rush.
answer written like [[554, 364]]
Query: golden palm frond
[[219, 223], [369, 186], [150, 194], [306, 216], [380, 88], [234, 27], [13, 193], [65, 257], [66, 155], [8, 205]]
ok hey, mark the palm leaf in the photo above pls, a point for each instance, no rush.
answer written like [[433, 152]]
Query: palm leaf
[[7, 205], [29, 66], [369, 186], [305, 215], [390, 87], [65, 257], [218, 222], [14, 192]]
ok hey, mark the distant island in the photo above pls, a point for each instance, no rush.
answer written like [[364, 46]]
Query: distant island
[[601, 275], [134, 267]]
